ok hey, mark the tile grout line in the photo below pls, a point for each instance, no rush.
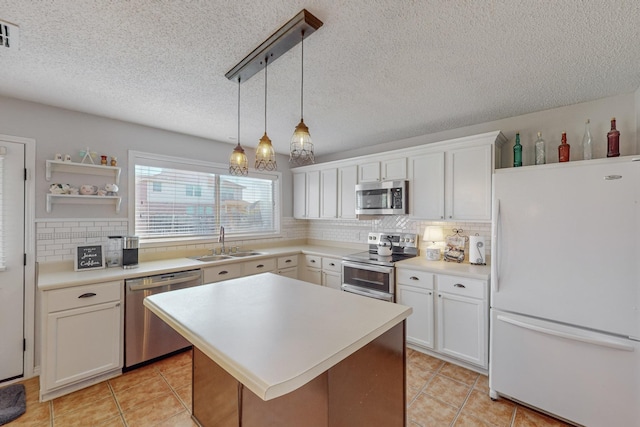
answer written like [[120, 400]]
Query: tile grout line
[[113, 394], [455, 419]]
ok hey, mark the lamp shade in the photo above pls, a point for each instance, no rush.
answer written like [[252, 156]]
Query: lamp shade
[[433, 234]]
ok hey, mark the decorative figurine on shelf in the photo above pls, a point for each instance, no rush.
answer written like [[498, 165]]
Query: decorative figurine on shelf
[[59, 188], [103, 160], [88, 154], [111, 189], [114, 161], [88, 190]]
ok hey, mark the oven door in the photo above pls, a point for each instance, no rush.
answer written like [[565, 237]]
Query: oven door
[[374, 280]]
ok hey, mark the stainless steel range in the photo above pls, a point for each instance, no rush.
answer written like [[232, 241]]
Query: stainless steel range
[[372, 274]]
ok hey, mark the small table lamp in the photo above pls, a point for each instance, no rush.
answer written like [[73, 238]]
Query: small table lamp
[[433, 234]]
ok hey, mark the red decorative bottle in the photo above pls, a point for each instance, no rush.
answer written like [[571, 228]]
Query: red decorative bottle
[[613, 140], [564, 149]]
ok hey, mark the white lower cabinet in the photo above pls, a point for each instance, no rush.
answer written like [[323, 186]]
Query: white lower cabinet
[[82, 340], [222, 272], [332, 273], [288, 266], [450, 314], [312, 269], [415, 289], [258, 266]]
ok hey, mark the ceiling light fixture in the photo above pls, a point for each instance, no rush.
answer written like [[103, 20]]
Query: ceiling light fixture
[[301, 150], [238, 164], [275, 46], [265, 154]]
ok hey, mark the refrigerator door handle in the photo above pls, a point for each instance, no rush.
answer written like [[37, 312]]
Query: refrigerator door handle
[[495, 244], [603, 342]]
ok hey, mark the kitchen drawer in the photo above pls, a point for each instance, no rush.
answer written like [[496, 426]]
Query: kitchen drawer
[[288, 261], [222, 272], [83, 296], [332, 264], [313, 261], [420, 279], [472, 288], [259, 266]]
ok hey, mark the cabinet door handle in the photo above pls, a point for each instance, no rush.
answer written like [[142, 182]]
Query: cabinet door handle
[[260, 266], [223, 272], [439, 295], [413, 278], [288, 260], [459, 285], [313, 261], [88, 295], [430, 293], [332, 264]]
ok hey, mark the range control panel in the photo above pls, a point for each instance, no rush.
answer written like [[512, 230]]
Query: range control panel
[[403, 240]]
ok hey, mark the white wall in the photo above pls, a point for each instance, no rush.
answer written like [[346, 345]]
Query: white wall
[[57, 130], [551, 123]]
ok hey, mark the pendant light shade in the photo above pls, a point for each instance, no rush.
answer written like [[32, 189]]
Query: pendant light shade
[[265, 154], [301, 150], [238, 164]]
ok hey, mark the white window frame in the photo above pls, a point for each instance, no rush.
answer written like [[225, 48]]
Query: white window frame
[[136, 157]]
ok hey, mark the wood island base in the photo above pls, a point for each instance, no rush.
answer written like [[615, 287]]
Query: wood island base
[[365, 389]]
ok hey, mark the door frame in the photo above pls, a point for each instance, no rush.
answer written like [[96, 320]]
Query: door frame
[[30, 300]]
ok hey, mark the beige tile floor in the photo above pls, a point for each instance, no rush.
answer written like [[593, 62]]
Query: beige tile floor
[[438, 394]]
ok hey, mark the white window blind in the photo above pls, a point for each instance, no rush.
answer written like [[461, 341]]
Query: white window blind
[[181, 198], [3, 204]]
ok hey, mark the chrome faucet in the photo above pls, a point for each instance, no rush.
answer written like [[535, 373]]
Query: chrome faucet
[[221, 238]]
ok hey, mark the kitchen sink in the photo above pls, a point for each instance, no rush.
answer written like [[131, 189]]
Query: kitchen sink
[[209, 258], [243, 254]]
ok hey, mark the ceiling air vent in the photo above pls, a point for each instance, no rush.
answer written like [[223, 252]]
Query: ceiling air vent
[[9, 35]]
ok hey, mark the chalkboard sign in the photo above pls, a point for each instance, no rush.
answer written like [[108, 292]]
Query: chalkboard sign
[[89, 257]]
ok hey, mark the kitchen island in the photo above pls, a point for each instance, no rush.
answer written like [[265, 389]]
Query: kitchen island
[[269, 350]]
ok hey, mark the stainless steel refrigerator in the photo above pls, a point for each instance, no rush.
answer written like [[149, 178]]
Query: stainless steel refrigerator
[[565, 297]]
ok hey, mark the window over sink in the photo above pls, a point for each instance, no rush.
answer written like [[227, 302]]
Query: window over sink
[[178, 198]]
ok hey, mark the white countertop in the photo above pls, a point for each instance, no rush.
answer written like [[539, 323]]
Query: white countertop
[[272, 333], [62, 275], [464, 269]]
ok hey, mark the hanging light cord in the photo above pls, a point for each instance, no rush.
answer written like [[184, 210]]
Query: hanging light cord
[[302, 81], [266, 63], [238, 110]]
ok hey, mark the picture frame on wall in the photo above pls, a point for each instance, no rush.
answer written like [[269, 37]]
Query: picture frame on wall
[[89, 257]]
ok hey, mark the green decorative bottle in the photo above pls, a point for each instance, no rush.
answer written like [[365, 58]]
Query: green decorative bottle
[[517, 152]]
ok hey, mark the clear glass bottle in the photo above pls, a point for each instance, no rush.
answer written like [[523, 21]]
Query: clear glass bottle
[[613, 140], [564, 149], [541, 156], [517, 152], [586, 142]]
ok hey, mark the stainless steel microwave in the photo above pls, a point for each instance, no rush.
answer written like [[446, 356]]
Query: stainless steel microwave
[[382, 198]]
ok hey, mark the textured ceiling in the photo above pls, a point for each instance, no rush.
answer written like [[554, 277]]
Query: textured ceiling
[[377, 71]]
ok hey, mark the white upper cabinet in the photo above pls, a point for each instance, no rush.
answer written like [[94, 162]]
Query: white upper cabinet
[[369, 172], [468, 183], [426, 188], [385, 170], [448, 180], [329, 193], [394, 169], [313, 194], [347, 180], [300, 195], [453, 183]]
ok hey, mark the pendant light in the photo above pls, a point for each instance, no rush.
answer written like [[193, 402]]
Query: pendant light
[[238, 164], [301, 151], [265, 154]]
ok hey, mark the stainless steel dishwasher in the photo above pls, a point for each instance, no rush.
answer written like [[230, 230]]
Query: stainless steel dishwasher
[[147, 337]]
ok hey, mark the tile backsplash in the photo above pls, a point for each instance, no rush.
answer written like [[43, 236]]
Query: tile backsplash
[[56, 239]]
